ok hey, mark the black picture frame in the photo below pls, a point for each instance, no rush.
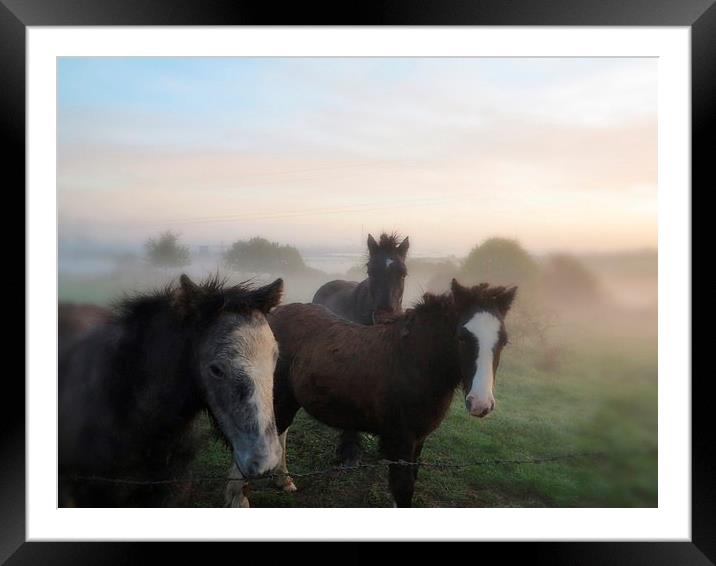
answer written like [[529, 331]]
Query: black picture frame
[[17, 15]]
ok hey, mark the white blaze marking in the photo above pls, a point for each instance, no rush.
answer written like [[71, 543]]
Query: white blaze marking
[[257, 345], [485, 327], [388, 262]]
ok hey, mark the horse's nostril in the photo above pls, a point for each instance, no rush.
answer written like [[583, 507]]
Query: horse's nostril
[[254, 467]]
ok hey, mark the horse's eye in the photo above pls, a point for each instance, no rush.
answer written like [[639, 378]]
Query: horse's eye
[[216, 371]]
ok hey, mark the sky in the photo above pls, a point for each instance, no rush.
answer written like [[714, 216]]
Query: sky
[[559, 153]]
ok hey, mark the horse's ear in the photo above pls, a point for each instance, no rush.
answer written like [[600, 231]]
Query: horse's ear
[[460, 294], [505, 299], [403, 247], [372, 244], [187, 283], [183, 296], [267, 297]]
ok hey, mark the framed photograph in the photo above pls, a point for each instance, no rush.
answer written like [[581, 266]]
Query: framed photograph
[[434, 257]]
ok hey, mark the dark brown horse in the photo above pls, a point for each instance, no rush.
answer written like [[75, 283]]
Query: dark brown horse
[[396, 379], [380, 293], [132, 380], [378, 296]]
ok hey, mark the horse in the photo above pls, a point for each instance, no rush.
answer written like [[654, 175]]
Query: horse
[[73, 320], [380, 294], [375, 298], [395, 380], [132, 380]]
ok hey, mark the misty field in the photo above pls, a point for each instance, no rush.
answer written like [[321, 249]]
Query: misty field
[[579, 385], [540, 173]]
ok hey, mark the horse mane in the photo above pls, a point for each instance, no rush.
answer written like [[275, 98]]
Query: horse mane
[[496, 299], [389, 242], [435, 304], [488, 296], [214, 292]]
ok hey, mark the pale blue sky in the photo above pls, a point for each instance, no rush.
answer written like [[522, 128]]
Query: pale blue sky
[[297, 149]]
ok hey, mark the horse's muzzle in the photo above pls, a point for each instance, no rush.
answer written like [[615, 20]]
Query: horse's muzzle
[[479, 409]]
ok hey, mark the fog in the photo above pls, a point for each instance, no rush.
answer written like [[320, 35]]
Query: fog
[[605, 294]]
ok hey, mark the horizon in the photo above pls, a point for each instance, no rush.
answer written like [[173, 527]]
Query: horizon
[[71, 246]]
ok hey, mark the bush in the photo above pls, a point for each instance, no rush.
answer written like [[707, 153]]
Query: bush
[[165, 251], [567, 281], [499, 261], [260, 255]]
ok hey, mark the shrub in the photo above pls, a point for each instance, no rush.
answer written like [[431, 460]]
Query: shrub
[[499, 261], [260, 255], [165, 251]]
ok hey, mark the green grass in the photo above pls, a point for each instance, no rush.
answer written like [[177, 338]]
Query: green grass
[[596, 402], [599, 395]]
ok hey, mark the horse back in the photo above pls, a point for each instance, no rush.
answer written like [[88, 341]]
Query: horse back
[[335, 369], [295, 324], [338, 296]]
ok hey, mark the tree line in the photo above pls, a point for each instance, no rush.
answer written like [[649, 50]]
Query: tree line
[[255, 254], [501, 261]]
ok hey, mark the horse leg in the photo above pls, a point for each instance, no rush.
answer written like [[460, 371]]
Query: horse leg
[[401, 477], [285, 408], [235, 493], [283, 480], [349, 448]]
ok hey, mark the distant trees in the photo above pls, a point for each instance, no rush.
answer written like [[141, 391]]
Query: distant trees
[[165, 251], [499, 261], [260, 255], [566, 280], [560, 279]]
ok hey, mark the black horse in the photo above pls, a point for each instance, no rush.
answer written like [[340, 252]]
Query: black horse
[[381, 293], [378, 296], [132, 381]]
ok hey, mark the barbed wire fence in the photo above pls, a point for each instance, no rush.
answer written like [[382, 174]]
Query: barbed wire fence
[[337, 470]]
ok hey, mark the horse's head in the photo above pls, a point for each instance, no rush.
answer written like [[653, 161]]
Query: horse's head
[[482, 336], [235, 357], [386, 273]]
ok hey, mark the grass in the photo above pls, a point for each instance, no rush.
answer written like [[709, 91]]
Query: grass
[[597, 401], [599, 394]]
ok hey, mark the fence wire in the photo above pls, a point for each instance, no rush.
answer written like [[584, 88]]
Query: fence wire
[[345, 469]]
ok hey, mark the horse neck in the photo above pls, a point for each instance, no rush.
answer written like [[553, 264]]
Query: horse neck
[[156, 382], [363, 302], [434, 363]]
